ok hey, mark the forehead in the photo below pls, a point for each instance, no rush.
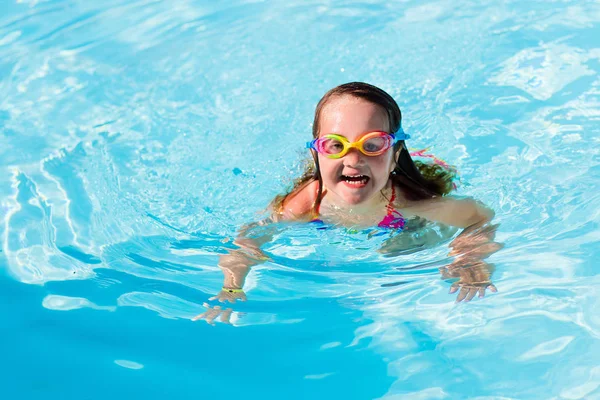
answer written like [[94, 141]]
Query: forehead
[[351, 116]]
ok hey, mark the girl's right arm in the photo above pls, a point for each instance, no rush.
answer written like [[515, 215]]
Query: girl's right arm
[[237, 262]]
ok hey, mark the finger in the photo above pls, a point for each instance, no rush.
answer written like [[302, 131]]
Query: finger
[[231, 299], [243, 297], [454, 288], [471, 294], [199, 316], [226, 316], [493, 288], [212, 313], [462, 294], [210, 317], [481, 292], [213, 298]]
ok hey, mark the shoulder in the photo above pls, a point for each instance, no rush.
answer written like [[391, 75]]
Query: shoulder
[[299, 204], [451, 210]]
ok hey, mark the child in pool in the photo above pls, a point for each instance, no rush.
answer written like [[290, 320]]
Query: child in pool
[[362, 176], [363, 173]]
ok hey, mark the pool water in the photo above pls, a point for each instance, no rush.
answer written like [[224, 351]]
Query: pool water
[[137, 137]]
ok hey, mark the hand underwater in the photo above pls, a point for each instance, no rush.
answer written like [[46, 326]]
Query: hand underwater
[[212, 313], [472, 279]]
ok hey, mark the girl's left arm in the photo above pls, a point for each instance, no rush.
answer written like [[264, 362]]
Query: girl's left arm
[[469, 249], [459, 212]]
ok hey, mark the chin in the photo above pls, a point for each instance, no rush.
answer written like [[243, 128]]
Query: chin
[[354, 196]]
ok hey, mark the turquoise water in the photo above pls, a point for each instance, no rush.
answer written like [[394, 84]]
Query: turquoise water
[[136, 137]]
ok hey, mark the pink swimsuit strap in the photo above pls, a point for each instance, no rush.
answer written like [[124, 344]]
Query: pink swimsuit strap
[[393, 218]]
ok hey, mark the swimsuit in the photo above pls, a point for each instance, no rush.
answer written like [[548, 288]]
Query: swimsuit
[[393, 218]]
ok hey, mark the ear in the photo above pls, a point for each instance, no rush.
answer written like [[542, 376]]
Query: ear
[[397, 153], [396, 156]]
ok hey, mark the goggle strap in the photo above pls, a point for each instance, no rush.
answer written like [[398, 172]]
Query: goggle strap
[[400, 135]]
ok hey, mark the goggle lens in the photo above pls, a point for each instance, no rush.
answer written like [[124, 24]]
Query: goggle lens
[[376, 144], [329, 146]]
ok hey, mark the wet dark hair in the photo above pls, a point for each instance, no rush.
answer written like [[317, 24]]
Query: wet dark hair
[[417, 180]]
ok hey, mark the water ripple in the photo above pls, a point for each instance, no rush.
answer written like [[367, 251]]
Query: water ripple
[[137, 137]]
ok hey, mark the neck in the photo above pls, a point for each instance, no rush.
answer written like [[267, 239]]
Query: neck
[[378, 201]]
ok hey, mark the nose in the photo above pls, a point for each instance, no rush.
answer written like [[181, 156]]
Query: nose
[[353, 158]]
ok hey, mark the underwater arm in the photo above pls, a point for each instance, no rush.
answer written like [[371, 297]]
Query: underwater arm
[[236, 264], [469, 249]]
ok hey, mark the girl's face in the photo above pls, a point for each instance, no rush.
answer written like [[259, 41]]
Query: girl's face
[[354, 178]]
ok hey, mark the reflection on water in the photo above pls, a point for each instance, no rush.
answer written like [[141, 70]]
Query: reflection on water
[[137, 137], [65, 303]]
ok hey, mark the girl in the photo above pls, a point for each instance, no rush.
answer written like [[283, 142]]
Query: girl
[[363, 173], [364, 176]]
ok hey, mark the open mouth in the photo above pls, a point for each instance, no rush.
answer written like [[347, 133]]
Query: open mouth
[[355, 180]]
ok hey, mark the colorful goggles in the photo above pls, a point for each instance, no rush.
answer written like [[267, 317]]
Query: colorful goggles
[[370, 144]]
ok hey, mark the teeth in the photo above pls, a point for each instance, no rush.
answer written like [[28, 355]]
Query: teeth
[[355, 179]]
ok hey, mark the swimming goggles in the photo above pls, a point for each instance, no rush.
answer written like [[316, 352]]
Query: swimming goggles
[[370, 144]]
